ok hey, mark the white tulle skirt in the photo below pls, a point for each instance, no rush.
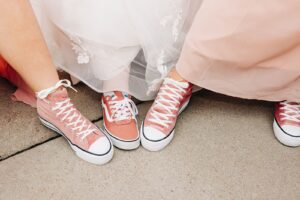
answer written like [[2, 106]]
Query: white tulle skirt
[[97, 41]]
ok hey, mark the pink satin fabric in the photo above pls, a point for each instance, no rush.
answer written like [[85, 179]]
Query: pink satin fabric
[[247, 49]]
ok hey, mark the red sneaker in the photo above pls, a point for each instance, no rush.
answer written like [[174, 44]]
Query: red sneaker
[[57, 112], [158, 128], [287, 123], [119, 120]]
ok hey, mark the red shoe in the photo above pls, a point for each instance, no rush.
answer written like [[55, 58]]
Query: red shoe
[[287, 123], [158, 128], [57, 112], [119, 120]]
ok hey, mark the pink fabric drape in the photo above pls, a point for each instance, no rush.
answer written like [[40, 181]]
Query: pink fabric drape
[[248, 49]]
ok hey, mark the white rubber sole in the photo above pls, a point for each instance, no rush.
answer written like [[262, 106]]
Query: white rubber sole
[[157, 145], [284, 138], [84, 155], [121, 144]]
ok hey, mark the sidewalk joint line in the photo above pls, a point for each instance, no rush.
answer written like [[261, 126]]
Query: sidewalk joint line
[[31, 147]]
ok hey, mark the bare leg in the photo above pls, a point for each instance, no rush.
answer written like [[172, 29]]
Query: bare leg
[[22, 45], [175, 75]]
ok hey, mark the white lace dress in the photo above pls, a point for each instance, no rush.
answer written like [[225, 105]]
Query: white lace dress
[[97, 40]]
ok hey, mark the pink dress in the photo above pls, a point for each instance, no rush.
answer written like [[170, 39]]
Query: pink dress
[[248, 49], [23, 93]]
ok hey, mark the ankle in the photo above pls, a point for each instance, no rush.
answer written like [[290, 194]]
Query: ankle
[[58, 92], [58, 88], [176, 76]]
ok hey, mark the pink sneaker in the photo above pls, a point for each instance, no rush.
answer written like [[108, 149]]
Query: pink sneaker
[[158, 128], [57, 112], [119, 120], [287, 123]]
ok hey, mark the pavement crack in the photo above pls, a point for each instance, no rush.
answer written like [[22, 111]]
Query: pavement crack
[[96, 120], [31, 147]]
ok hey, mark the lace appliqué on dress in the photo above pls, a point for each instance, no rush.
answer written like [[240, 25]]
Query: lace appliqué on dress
[[83, 55]]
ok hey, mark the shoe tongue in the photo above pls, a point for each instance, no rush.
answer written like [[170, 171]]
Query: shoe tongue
[[116, 95], [59, 95], [119, 95]]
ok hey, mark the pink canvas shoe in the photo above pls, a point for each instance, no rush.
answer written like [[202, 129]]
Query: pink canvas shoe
[[119, 120], [158, 128], [287, 123], [57, 112]]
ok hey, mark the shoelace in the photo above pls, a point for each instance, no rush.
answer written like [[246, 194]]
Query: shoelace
[[291, 111], [167, 100], [44, 93], [66, 110], [123, 109]]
